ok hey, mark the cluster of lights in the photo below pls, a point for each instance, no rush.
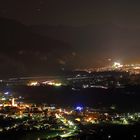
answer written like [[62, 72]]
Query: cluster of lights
[[117, 65], [35, 83], [54, 84]]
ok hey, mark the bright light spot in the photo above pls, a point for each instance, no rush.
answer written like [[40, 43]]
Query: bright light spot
[[125, 122], [60, 110], [57, 84], [3, 99], [6, 93], [109, 136], [57, 116], [70, 123], [136, 68], [79, 108], [78, 119], [117, 65], [54, 84], [34, 83]]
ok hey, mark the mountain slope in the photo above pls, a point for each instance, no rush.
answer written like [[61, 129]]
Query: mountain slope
[[24, 52], [98, 42]]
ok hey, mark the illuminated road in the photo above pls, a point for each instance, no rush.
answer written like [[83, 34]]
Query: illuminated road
[[70, 131]]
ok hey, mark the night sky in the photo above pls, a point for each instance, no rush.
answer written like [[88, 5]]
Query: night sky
[[39, 36], [69, 12]]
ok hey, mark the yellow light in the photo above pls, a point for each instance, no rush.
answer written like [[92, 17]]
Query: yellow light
[[57, 84], [34, 83], [117, 65], [60, 110], [78, 119], [90, 119], [50, 83], [54, 84]]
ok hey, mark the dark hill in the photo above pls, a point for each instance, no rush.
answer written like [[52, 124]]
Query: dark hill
[[24, 52]]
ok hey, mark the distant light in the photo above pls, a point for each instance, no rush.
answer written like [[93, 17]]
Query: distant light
[[134, 136], [109, 136], [54, 84], [70, 123], [78, 119], [20, 97], [6, 93], [60, 110], [136, 68], [52, 108], [117, 65], [3, 99], [34, 83], [58, 84], [79, 108]]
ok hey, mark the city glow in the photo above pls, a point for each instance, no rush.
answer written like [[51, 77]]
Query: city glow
[[117, 65]]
